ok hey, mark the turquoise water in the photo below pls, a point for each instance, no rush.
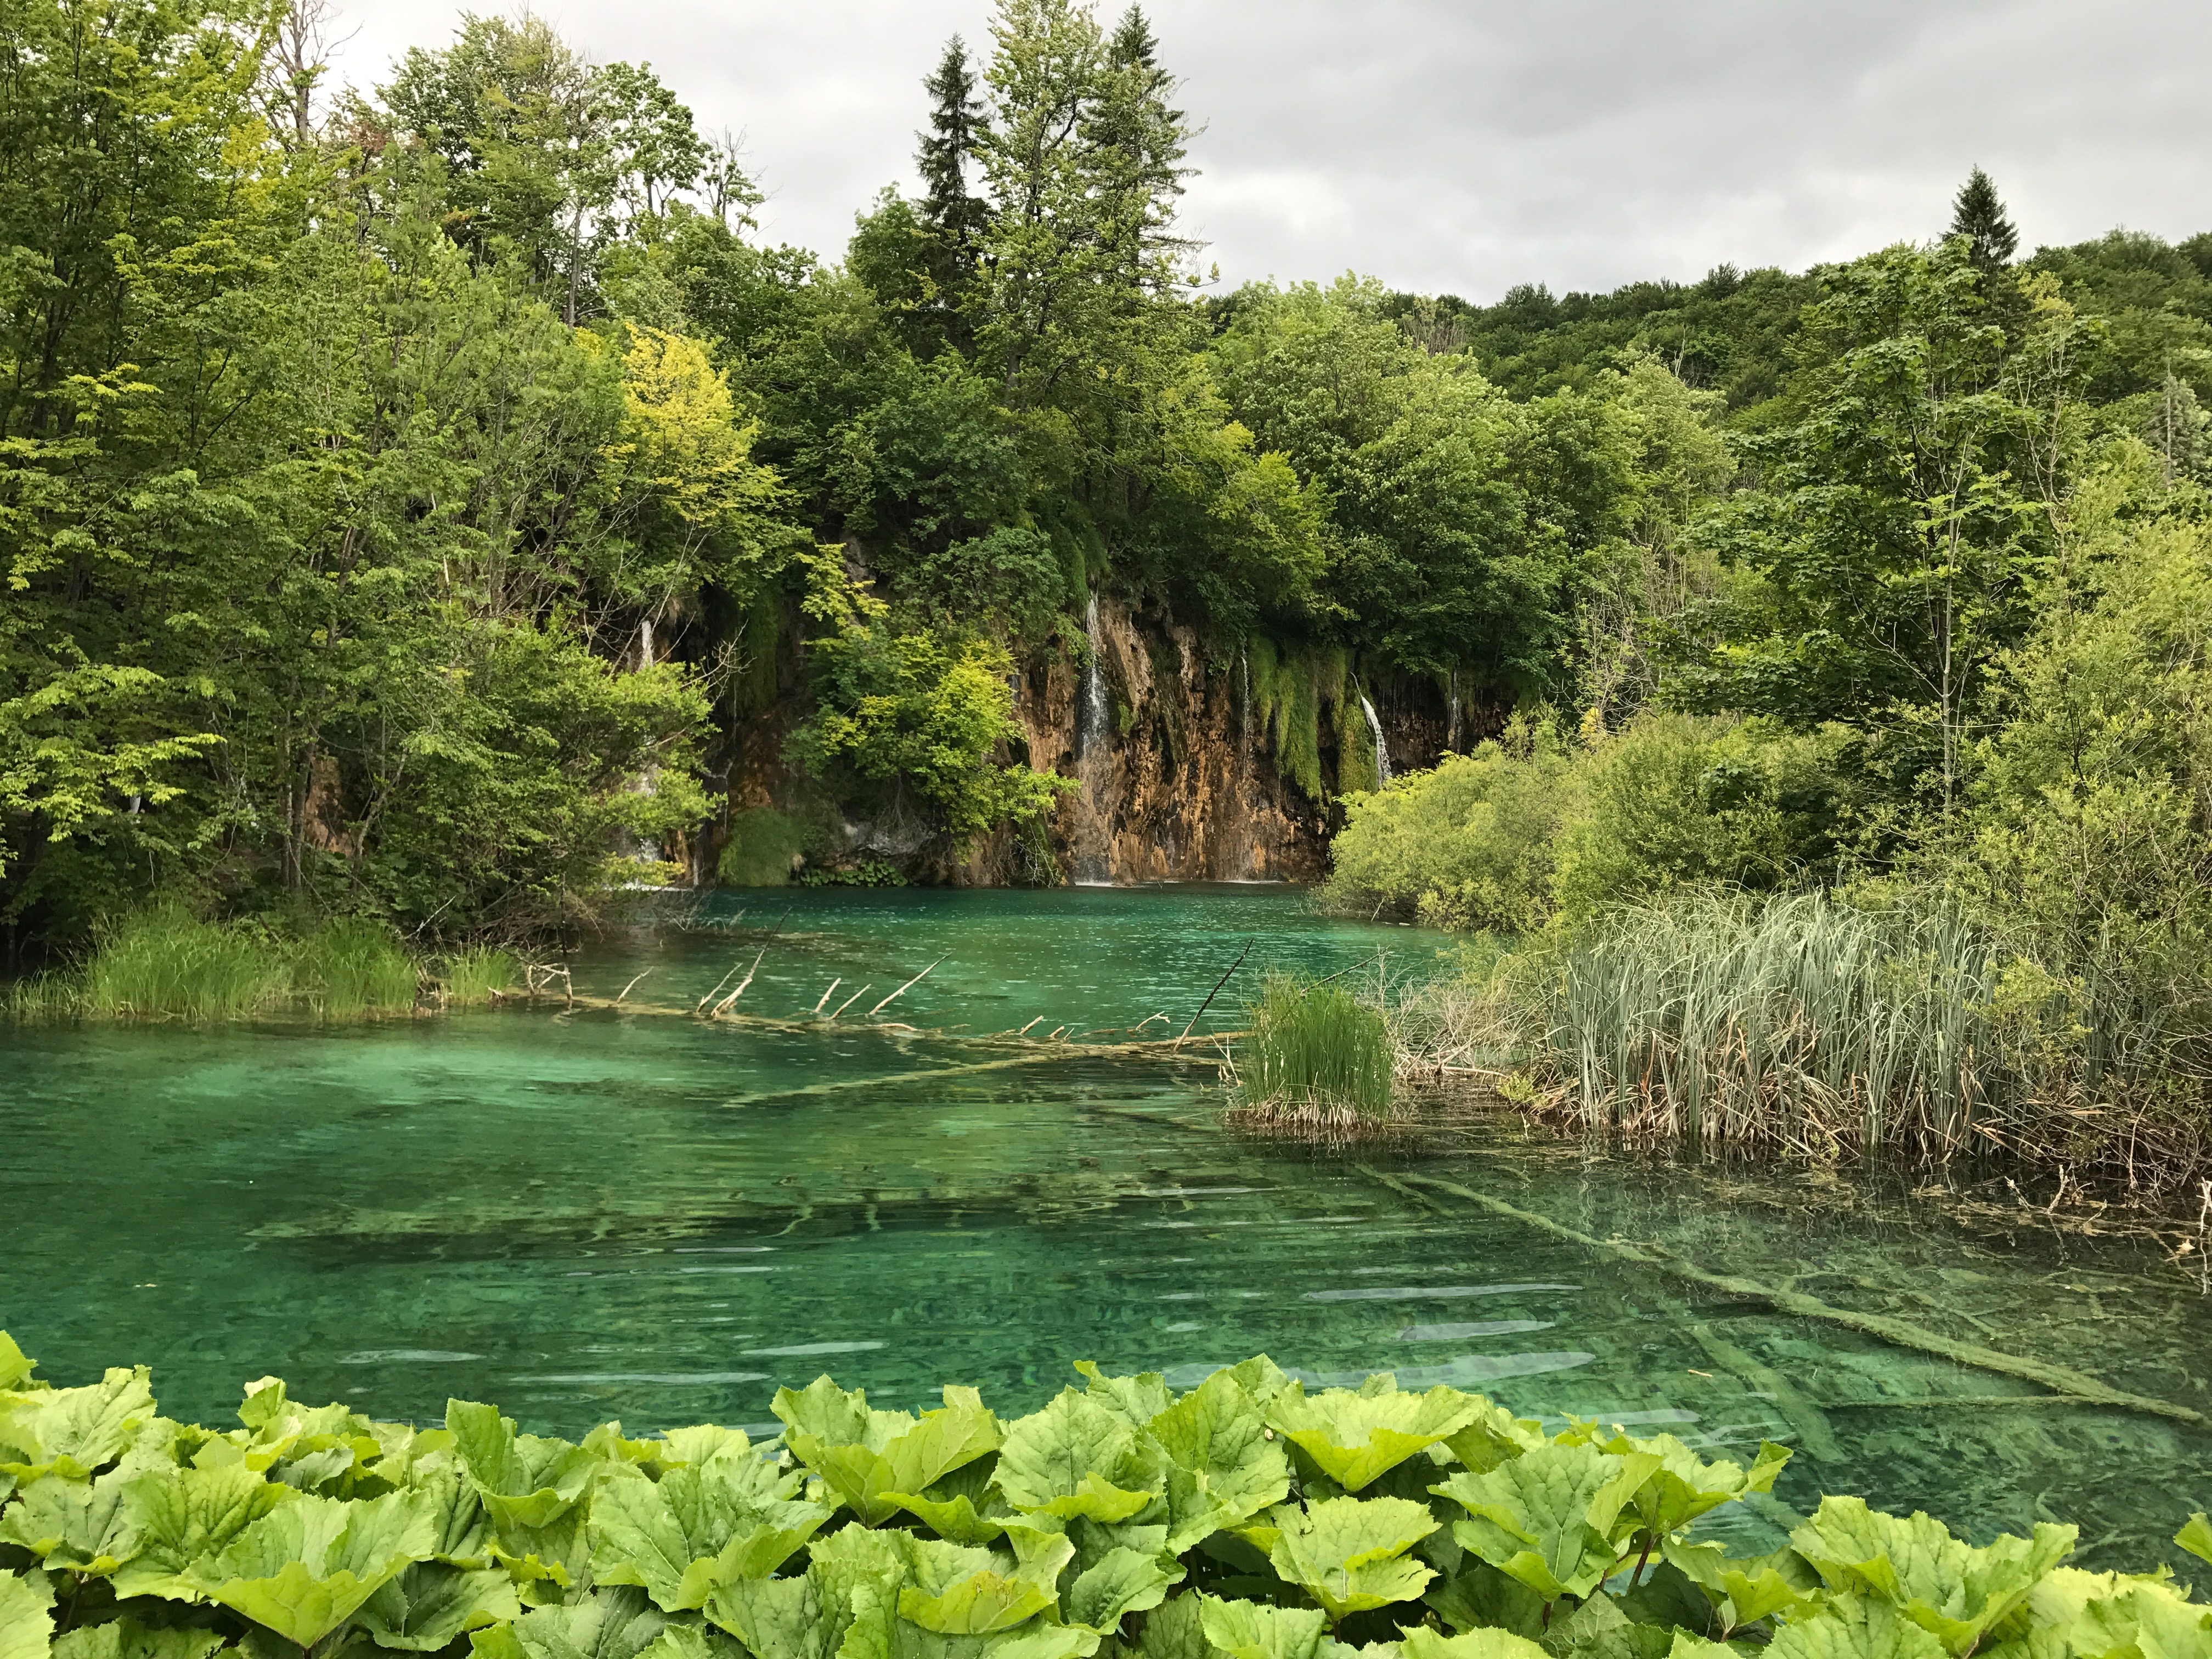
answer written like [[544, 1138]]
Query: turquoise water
[[584, 1214]]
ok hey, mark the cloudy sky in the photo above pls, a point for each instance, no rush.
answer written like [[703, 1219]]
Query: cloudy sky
[[1465, 146]]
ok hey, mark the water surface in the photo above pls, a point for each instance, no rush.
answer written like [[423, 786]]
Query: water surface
[[584, 1214]]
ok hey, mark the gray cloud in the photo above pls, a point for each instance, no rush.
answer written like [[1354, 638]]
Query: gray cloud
[[1467, 147]]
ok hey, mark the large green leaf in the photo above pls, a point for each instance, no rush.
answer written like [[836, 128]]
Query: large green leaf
[[26, 1619], [2196, 1536], [1349, 1553], [125, 1638], [84, 1526], [1493, 1435], [1478, 1596], [1077, 1457], [1942, 1584], [1743, 1592], [1226, 1467], [609, 1624], [1683, 1486], [15, 1366], [863, 1457], [1421, 1643], [1121, 1582], [1137, 1400], [73, 1431], [304, 1568], [431, 1603], [1252, 1630], [526, 1482], [1853, 1627], [2073, 1614], [1174, 1630], [964, 1506], [807, 1617], [1600, 1629], [181, 1517], [1547, 1516], [879, 1630], [1354, 1435], [697, 1526]]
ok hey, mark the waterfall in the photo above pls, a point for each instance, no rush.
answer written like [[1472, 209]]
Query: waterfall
[[1090, 718], [645, 645], [1382, 749], [1093, 757], [1451, 722]]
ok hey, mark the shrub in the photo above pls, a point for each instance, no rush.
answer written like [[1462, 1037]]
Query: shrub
[[1316, 1050], [1250, 1517], [765, 847]]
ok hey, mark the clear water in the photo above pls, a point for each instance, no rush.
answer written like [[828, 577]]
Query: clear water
[[589, 1214]]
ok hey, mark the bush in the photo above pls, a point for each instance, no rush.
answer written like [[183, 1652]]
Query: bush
[[765, 847], [1316, 1051], [1249, 1518]]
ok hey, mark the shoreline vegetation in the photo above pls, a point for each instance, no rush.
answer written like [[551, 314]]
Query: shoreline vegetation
[[1258, 1514]]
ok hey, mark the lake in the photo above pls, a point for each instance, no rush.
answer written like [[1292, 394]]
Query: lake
[[583, 1214]]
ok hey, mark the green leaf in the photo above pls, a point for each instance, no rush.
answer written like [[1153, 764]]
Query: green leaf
[[1478, 1596], [1137, 1400], [863, 1455], [1744, 1592], [1420, 1642], [1683, 1486], [962, 1507], [1353, 1436], [879, 1632], [2073, 1614], [807, 1617], [83, 1526], [15, 1366], [1948, 1587], [1121, 1582], [431, 1603], [1598, 1629], [1226, 1470], [1076, 1457], [73, 1431], [125, 1638], [1853, 1627], [1546, 1516], [1493, 1434], [25, 1620], [1348, 1553], [187, 1514], [1251, 1629], [525, 1481], [2196, 1536], [1175, 1629], [609, 1623], [698, 1527], [304, 1568]]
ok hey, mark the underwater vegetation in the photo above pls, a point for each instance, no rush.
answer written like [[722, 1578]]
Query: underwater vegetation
[[1247, 1518]]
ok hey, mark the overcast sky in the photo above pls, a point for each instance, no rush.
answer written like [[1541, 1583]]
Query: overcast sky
[[1463, 147]]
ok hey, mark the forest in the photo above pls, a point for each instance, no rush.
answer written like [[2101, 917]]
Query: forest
[[412, 497]]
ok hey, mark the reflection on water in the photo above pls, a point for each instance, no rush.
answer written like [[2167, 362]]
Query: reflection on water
[[566, 1213]]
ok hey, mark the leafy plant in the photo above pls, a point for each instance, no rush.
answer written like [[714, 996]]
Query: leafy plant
[[1123, 1520]]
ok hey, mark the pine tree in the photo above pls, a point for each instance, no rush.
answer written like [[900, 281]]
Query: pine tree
[[952, 219], [1979, 215]]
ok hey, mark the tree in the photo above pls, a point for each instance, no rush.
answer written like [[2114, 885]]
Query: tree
[[1978, 213], [953, 217]]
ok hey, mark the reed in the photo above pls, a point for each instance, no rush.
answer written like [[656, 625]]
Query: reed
[[165, 963], [1317, 1052], [349, 967], [472, 978]]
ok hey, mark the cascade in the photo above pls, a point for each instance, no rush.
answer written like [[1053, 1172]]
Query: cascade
[[1382, 749], [1093, 822], [1451, 723], [1090, 718]]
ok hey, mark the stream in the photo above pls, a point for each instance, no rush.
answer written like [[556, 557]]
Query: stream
[[589, 1213]]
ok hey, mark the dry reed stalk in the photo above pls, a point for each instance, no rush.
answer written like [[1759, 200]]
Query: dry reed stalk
[[904, 989]]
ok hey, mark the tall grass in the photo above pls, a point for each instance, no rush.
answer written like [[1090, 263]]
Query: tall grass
[[349, 967], [1317, 1052], [474, 977], [166, 962]]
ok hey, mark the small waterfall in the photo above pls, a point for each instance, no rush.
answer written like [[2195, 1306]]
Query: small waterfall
[[1451, 722], [1093, 763], [645, 645], [1382, 749], [1090, 718]]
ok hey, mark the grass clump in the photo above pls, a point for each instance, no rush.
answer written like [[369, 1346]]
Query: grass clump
[[471, 978], [1317, 1054], [165, 962], [349, 967]]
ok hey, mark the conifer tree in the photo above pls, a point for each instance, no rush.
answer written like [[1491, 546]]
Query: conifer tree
[[1979, 215], [952, 219]]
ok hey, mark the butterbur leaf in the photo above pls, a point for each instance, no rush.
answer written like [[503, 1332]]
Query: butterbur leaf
[[807, 1617], [1853, 1627], [1598, 1629], [1493, 1434], [15, 1366], [864, 1456], [609, 1623], [1137, 1400], [1744, 1592], [1174, 1630], [1353, 1436], [2196, 1536], [84, 1526], [304, 1568], [185, 1516], [957, 1590], [125, 1638], [524, 1481], [1420, 1642], [1686, 1646], [1259, 1377], [697, 1526], [1545, 1517], [2072, 1615], [1077, 1458], [961, 1507], [1480, 1597], [1251, 1629], [74, 1432], [1119, 1582], [1225, 1468], [1683, 1486], [1349, 1553], [430, 1603], [26, 1619], [879, 1632], [1948, 1587]]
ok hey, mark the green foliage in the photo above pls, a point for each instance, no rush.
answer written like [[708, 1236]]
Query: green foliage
[[1316, 1050], [347, 966], [765, 847], [165, 961], [862, 872], [470, 978], [1171, 1527]]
